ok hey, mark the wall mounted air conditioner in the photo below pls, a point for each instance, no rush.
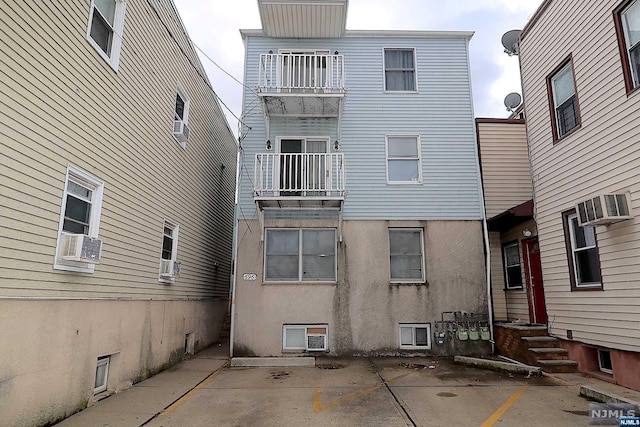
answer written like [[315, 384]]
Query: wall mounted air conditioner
[[169, 269], [80, 247], [180, 130], [316, 339], [604, 209]]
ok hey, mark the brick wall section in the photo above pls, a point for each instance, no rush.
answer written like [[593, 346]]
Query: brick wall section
[[509, 342]]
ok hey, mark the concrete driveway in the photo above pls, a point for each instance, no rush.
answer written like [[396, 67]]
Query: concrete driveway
[[376, 392]]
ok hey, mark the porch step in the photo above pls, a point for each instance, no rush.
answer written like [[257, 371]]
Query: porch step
[[550, 353], [558, 366], [540, 341]]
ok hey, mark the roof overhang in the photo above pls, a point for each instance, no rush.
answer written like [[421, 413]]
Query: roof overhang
[[303, 18], [511, 217]]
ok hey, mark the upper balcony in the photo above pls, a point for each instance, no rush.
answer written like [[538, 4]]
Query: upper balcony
[[302, 84], [299, 180], [303, 18]]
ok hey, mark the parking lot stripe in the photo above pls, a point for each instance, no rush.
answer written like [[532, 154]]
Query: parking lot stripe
[[318, 406], [505, 406]]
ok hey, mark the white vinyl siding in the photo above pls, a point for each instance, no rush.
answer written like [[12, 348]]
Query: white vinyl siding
[[121, 137], [602, 157], [104, 32], [448, 150]]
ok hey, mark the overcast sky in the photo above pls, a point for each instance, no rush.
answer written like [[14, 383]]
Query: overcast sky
[[214, 27]]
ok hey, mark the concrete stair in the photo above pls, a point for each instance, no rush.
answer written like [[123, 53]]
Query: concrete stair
[[225, 331], [532, 345]]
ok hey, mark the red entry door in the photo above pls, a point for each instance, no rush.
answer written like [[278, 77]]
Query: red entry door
[[533, 277]]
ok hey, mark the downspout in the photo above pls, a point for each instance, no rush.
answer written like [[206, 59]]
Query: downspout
[[234, 254], [483, 213]]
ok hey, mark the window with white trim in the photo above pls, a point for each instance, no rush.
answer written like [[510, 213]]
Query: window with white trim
[[400, 70], [79, 216], [300, 255], [305, 337], [169, 266], [627, 17], [406, 249], [565, 114], [415, 336], [512, 268], [604, 361], [102, 374], [181, 117], [404, 165], [582, 248], [104, 31]]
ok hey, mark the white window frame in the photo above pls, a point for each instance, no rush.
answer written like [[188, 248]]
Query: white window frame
[[102, 361], [113, 57], [507, 285], [300, 278], [413, 345], [422, 266], [568, 68], [417, 159], [602, 368], [175, 227], [384, 70], [185, 114], [635, 73], [96, 186], [574, 249], [305, 328]]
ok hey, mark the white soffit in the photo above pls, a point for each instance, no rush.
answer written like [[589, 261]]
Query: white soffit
[[303, 18]]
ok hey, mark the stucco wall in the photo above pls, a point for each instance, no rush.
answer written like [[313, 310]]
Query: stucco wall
[[50, 348], [363, 310]]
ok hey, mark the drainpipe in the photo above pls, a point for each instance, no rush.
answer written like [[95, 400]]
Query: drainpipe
[[234, 253]]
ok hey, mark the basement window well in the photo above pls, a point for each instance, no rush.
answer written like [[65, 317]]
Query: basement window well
[[102, 372], [604, 362]]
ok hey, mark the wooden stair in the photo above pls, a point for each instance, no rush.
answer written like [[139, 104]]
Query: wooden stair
[[532, 345]]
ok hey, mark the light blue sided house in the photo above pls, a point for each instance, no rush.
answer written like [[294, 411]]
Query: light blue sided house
[[360, 217]]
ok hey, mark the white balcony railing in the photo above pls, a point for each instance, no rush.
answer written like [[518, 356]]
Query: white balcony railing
[[301, 73], [319, 175]]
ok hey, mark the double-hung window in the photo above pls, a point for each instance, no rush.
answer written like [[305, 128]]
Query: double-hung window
[[582, 253], [627, 17], [79, 217], [300, 255], [181, 117], [104, 32], [406, 251], [512, 270], [400, 70], [169, 267], [404, 165], [564, 103]]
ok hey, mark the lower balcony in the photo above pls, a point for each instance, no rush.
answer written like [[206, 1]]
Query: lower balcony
[[299, 180]]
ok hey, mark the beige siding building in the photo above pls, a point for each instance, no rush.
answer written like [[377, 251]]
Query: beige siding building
[[580, 73], [117, 184], [517, 293]]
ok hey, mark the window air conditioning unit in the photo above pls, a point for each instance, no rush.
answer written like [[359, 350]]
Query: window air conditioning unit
[[604, 209], [169, 269], [316, 342], [80, 247], [180, 130]]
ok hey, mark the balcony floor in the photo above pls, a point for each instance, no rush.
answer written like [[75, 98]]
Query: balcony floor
[[306, 202], [303, 104]]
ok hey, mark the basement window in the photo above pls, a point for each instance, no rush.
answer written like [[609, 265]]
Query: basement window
[[604, 362], [102, 373], [415, 336]]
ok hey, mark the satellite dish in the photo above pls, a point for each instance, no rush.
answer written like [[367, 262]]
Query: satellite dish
[[512, 101], [510, 42]]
